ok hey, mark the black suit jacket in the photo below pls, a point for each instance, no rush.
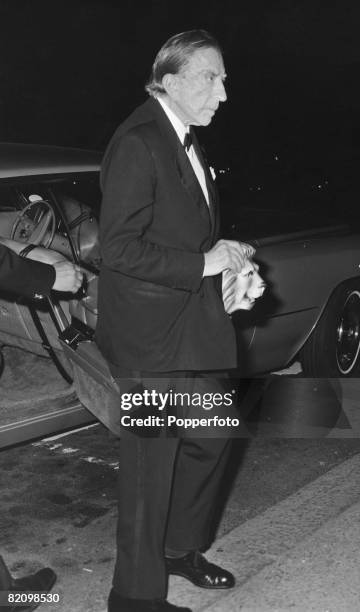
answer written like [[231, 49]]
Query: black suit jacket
[[24, 276], [156, 312]]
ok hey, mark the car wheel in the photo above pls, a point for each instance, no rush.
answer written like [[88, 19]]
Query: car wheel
[[333, 349]]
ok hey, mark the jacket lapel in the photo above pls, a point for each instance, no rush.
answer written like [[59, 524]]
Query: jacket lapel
[[212, 192]]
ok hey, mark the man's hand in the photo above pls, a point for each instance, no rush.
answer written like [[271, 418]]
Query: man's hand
[[227, 255], [68, 276]]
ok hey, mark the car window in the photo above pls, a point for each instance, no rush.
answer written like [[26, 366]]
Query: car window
[[79, 199], [84, 188], [9, 199]]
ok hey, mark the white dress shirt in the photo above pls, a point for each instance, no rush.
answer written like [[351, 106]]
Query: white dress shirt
[[181, 130]]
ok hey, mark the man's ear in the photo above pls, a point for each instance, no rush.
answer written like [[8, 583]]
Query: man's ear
[[170, 84]]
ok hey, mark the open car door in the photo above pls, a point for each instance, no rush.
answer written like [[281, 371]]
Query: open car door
[[77, 203], [92, 379]]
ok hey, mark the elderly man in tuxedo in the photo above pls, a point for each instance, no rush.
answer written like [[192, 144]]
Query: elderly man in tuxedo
[[33, 275], [162, 324]]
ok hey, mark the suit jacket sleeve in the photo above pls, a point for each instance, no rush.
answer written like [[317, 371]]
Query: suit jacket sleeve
[[24, 276], [129, 180]]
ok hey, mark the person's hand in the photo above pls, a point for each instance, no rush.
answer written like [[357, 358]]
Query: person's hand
[[227, 254], [68, 276]]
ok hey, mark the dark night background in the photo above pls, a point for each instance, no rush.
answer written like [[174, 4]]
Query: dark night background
[[71, 71]]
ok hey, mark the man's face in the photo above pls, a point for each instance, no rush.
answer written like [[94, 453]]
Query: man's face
[[198, 88]]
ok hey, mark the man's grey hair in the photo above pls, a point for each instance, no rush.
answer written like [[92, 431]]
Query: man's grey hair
[[175, 54]]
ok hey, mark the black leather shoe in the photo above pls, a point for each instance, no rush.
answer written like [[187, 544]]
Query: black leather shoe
[[200, 572], [117, 603], [42, 581]]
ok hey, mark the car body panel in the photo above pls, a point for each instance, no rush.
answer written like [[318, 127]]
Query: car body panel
[[283, 320], [65, 412], [18, 160]]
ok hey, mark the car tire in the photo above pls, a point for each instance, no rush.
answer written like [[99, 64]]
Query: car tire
[[333, 349]]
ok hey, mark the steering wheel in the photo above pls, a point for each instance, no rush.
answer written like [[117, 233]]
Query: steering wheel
[[35, 224]]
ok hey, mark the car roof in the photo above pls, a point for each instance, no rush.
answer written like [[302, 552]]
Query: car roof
[[29, 159]]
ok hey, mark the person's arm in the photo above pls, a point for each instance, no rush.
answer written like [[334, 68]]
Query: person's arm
[[37, 253], [24, 277], [36, 275]]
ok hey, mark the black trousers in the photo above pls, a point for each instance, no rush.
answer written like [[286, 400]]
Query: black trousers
[[167, 489], [167, 492]]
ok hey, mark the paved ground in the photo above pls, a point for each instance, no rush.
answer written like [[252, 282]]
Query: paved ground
[[299, 554], [290, 527]]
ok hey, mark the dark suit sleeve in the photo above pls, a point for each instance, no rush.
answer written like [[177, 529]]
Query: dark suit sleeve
[[129, 180], [24, 276]]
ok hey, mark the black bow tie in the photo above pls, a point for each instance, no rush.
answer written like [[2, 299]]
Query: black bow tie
[[188, 140]]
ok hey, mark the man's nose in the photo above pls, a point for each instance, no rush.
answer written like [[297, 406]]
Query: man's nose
[[220, 91]]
